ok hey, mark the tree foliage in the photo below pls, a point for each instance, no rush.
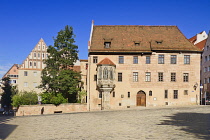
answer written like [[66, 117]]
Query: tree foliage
[[49, 98], [25, 98], [6, 99], [58, 75]]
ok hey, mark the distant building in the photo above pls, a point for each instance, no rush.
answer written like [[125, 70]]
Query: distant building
[[199, 40], [30, 70], [205, 69], [12, 73], [131, 66]]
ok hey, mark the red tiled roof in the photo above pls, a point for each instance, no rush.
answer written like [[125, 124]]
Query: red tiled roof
[[123, 37], [106, 61], [201, 44]]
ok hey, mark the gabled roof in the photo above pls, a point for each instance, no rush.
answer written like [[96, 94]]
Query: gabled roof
[[194, 38], [123, 38], [15, 65], [106, 61], [201, 44]]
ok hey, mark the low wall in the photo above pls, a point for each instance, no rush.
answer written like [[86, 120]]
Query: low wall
[[25, 110]]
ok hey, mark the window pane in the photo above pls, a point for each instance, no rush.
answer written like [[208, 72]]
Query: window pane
[[135, 76], [135, 60], [186, 77], [147, 59], [148, 77], [173, 59], [160, 76], [121, 59], [175, 94], [166, 93], [120, 77], [173, 77], [160, 59], [95, 59], [187, 59]]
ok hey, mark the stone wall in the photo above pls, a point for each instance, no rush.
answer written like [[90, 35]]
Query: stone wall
[[25, 110]]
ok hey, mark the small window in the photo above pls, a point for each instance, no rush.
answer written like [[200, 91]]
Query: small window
[[186, 59], [99, 95], [186, 77], [129, 95], [209, 80], [207, 47], [175, 94], [185, 92], [150, 93], [35, 84], [205, 81], [38, 54], [135, 76], [173, 59], [147, 59], [148, 77], [43, 47], [39, 47], [135, 60], [121, 59], [160, 59], [107, 44], [25, 73], [119, 77], [95, 59], [208, 68], [35, 73], [205, 69], [159, 42], [166, 94], [34, 54], [160, 76], [43, 55], [34, 64], [137, 43], [95, 77], [173, 77], [30, 63], [113, 94], [25, 84]]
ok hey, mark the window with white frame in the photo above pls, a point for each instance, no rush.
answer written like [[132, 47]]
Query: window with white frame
[[135, 76], [186, 59], [147, 76], [173, 59], [160, 59]]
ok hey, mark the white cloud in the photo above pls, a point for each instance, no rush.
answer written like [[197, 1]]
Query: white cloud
[[4, 69]]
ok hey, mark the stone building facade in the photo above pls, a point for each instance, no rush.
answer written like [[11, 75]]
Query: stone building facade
[[205, 69], [30, 70], [131, 66]]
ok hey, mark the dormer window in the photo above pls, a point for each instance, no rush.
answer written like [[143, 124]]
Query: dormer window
[[107, 44], [159, 42], [137, 43]]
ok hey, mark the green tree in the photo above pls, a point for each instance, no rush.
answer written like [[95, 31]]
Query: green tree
[[6, 99], [58, 76], [25, 98]]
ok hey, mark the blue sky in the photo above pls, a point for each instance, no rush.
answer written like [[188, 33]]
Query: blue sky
[[24, 22]]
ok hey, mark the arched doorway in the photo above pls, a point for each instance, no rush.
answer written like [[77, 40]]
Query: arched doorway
[[141, 98]]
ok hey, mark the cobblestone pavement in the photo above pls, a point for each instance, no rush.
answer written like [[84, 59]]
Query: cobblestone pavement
[[169, 123]]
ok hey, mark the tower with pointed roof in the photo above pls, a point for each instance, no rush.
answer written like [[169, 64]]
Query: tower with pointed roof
[[30, 70]]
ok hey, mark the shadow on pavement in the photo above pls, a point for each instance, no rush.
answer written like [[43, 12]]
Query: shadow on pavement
[[194, 123], [6, 129]]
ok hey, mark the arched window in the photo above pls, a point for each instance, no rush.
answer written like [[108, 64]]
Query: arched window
[[105, 73], [111, 74]]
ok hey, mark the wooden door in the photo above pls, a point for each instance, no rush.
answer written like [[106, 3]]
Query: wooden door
[[141, 99]]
